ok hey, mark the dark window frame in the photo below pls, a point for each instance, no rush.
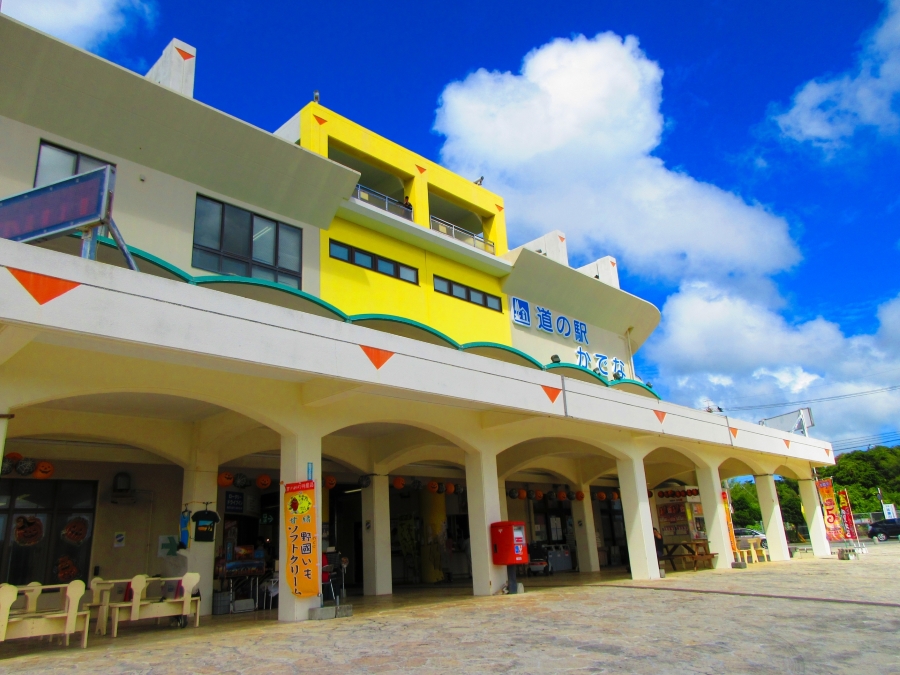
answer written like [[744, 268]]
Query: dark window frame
[[249, 261], [56, 516], [468, 292], [351, 260], [77, 153]]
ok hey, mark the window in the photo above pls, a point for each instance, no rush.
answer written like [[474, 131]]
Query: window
[[233, 241], [46, 528], [370, 261], [462, 292], [55, 163]]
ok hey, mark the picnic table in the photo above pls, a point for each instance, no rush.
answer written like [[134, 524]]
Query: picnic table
[[696, 552]]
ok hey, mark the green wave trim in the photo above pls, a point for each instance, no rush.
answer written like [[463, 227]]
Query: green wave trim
[[408, 322], [505, 348], [249, 281], [223, 279]]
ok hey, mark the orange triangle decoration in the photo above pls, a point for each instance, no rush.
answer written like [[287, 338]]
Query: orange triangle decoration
[[612, 262], [42, 288], [378, 357], [552, 392], [787, 443], [561, 238], [319, 119], [421, 169], [660, 415], [185, 55], [733, 431], [499, 208]]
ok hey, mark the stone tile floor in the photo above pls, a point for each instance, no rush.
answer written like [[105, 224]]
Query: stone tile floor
[[806, 616]]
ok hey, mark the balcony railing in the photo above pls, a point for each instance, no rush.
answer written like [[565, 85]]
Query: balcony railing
[[382, 202], [449, 229]]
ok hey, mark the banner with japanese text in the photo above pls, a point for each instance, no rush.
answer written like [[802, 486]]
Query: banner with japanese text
[[847, 515], [301, 539], [833, 526], [726, 502]]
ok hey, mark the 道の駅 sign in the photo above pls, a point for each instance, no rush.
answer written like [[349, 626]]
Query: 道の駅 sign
[[301, 537]]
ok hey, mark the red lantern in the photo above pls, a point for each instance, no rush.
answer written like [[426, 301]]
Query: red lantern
[[538, 494], [13, 457], [561, 495], [601, 496], [399, 483], [225, 479], [432, 486], [451, 488], [660, 494], [579, 496], [263, 481], [522, 493], [615, 496], [649, 494], [43, 470], [330, 482]]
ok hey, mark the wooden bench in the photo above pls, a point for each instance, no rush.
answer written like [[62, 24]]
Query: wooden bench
[[139, 607], [26, 624], [101, 596]]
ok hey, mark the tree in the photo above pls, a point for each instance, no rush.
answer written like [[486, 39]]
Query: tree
[[789, 499], [745, 503], [863, 471]]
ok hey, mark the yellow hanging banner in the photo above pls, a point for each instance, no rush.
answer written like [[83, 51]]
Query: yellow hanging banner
[[301, 539]]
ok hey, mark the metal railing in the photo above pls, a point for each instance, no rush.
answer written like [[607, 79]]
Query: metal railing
[[382, 202], [449, 229]]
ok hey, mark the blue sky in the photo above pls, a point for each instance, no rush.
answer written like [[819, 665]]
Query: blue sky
[[739, 159]]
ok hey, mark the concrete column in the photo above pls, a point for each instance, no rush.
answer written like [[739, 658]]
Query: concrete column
[[376, 514], [504, 504], [714, 514], [771, 513], [638, 523], [815, 520], [585, 533], [484, 509], [297, 452], [416, 189], [198, 487], [4, 426]]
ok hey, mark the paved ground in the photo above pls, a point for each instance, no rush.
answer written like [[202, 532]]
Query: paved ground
[[806, 616]]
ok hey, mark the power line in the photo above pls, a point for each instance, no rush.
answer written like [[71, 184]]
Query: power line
[[815, 400], [811, 386]]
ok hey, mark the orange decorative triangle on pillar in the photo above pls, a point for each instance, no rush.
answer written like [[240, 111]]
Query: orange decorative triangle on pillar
[[552, 392], [787, 443], [660, 415], [378, 357], [420, 168], [561, 238], [612, 262], [41, 287], [499, 208], [187, 56], [733, 432], [319, 119]]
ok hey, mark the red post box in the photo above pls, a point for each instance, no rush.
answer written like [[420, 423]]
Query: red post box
[[508, 543]]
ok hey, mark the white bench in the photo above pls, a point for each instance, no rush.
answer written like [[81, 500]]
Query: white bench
[[139, 607], [26, 624]]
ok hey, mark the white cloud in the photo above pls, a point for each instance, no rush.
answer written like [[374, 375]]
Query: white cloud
[[86, 23], [567, 142], [707, 331], [828, 111]]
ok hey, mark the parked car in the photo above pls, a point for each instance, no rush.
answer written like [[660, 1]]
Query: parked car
[[747, 533], [882, 529]]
